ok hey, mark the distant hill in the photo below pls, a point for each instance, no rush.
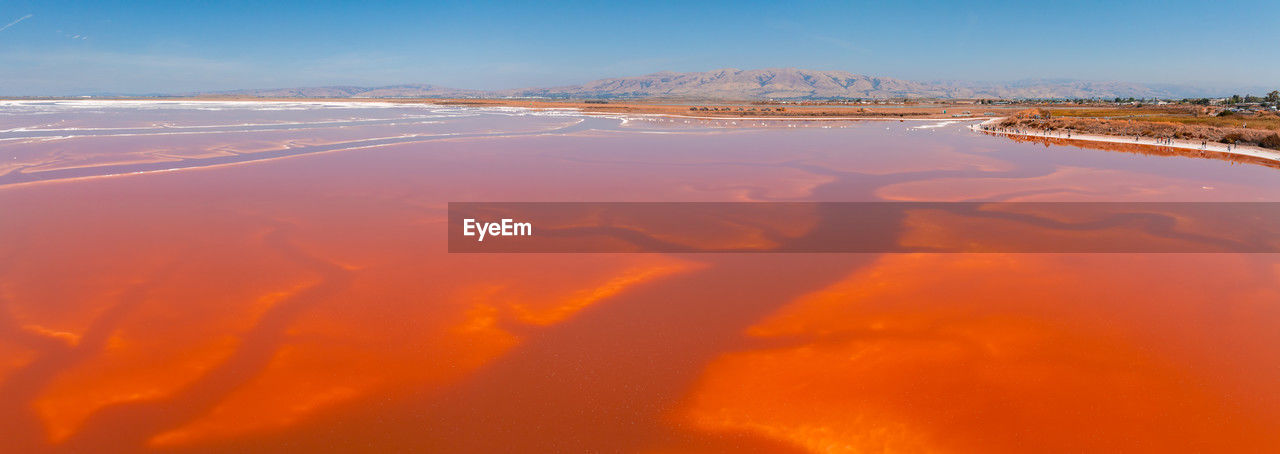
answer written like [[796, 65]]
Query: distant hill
[[749, 84], [757, 84]]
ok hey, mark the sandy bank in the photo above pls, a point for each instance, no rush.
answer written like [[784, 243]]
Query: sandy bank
[[992, 126]]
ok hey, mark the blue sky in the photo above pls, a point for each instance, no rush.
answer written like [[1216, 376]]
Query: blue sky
[[56, 47]]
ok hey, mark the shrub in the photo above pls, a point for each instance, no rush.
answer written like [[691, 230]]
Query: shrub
[[1271, 141], [1231, 138], [1032, 113]]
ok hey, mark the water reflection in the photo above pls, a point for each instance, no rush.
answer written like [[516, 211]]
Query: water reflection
[[308, 303]]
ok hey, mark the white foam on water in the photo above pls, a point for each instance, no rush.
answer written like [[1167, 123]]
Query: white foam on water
[[152, 104], [940, 124]]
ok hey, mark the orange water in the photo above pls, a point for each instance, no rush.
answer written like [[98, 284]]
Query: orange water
[[307, 303]]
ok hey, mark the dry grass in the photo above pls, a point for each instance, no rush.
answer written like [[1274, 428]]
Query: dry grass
[[1188, 115], [1252, 135], [1121, 112], [1269, 122]]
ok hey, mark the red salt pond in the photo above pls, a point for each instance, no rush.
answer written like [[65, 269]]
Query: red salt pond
[[287, 288]]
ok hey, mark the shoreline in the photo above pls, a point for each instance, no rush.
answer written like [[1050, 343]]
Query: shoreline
[[1215, 147], [590, 110], [835, 112], [796, 118], [985, 123]]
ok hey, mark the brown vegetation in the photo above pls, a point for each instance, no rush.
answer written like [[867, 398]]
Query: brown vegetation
[[1271, 141], [1150, 129], [1034, 114], [1191, 115]]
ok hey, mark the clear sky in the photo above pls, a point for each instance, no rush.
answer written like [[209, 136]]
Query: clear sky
[[56, 47]]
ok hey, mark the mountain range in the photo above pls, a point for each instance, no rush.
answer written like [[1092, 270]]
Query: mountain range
[[760, 84]]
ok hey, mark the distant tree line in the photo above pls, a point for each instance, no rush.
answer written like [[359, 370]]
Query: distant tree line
[[1270, 98]]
